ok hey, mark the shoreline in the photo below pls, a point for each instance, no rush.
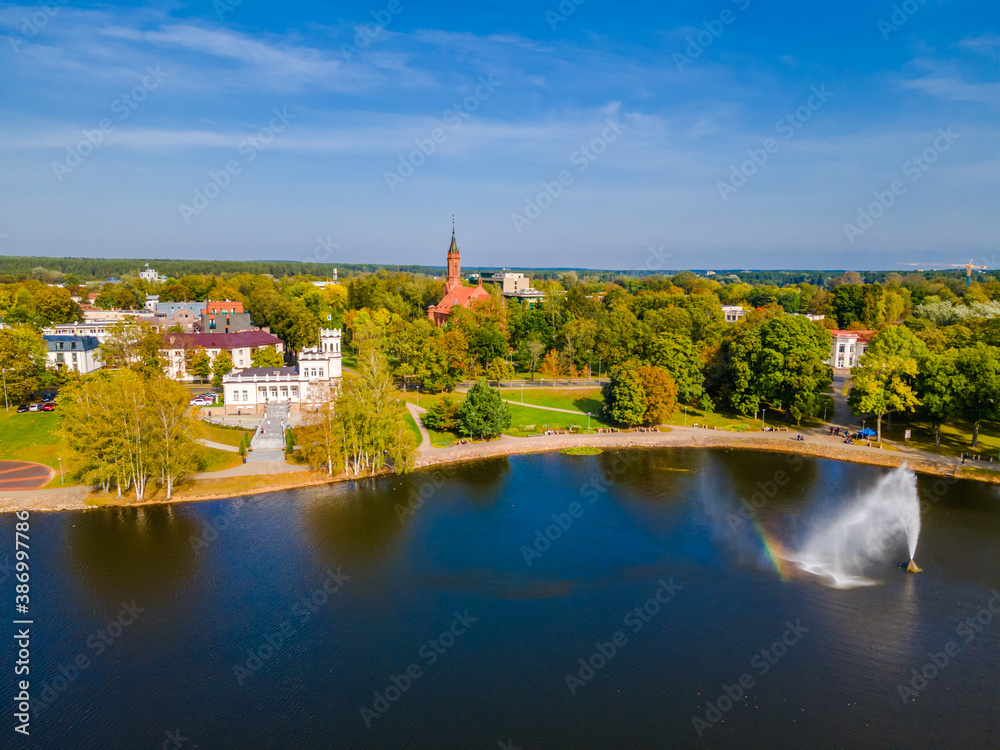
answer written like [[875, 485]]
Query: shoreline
[[199, 490]]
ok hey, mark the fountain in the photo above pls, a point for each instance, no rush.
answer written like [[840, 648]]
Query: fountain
[[878, 522]]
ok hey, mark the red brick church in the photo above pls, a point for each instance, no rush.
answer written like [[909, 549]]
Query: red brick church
[[455, 295]]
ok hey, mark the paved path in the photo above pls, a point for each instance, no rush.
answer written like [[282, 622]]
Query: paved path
[[548, 408], [842, 416], [217, 446], [24, 475], [252, 469], [425, 437], [269, 440]]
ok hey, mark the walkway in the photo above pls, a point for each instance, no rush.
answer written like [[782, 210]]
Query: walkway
[[269, 441], [217, 446], [252, 469], [549, 408], [24, 475], [425, 437]]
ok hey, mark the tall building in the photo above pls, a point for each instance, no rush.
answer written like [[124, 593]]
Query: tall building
[[455, 295]]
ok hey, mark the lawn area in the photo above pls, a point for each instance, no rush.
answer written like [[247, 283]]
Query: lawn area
[[574, 399], [212, 459], [412, 425], [226, 435], [35, 436], [539, 420], [956, 435]]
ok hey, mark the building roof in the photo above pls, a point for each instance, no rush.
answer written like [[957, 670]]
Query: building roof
[[219, 340], [862, 336], [261, 372], [86, 342], [462, 296]]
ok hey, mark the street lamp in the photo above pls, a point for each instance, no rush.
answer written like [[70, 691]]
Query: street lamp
[[6, 404], [61, 479], [763, 413], [685, 416], [588, 421]]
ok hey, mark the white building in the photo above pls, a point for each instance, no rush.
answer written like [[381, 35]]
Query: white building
[[81, 354], [150, 275], [733, 312], [250, 390], [848, 347], [179, 349]]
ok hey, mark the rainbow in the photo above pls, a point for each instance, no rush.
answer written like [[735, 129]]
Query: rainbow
[[774, 551]]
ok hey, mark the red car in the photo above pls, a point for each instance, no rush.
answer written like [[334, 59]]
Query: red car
[[49, 407]]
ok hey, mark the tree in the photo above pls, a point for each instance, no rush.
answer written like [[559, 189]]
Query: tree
[[222, 365], [22, 358], [979, 367], [133, 344], [53, 305], [500, 370], [550, 367], [483, 413], [681, 357], [201, 364], [266, 356], [320, 435], [660, 392], [885, 377], [534, 348], [625, 395], [938, 387], [173, 449], [442, 415]]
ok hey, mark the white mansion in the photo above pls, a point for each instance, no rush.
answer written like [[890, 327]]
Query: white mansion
[[250, 390]]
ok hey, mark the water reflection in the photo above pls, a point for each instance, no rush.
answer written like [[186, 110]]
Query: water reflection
[[134, 553]]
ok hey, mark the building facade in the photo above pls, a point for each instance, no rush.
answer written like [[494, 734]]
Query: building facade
[[455, 295], [80, 354], [733, 313], [848, 347], [179, 349], [225, 317], [250, 390]]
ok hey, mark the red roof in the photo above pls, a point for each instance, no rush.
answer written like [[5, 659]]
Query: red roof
[[862, 336], [462, 296], [220, 340]]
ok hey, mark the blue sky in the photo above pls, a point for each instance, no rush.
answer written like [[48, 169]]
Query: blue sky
[[728, 134]]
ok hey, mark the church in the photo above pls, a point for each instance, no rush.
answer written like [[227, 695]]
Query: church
[[455, 295]]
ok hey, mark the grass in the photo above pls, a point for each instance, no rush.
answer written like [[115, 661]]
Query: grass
[[573, 399], [212, 459], [412, 425], [35, 436], [582, 450], [523, 417], [225, 435], [956, 435]]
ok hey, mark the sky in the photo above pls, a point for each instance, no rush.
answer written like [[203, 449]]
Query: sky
[[583, 133]]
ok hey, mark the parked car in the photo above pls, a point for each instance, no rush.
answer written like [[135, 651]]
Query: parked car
[[22, 408], [34, 407], [46, 397], [49, 407]]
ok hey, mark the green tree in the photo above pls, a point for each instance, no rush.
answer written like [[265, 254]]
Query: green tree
[[533, 349], [201, 364], [938, 387], [979, 367], [222, 365], [483, 413], [885, 378], [500, 370], [625, 395], [266, 356], [53, 305], [442, 415], [22, 358], [681, 357]]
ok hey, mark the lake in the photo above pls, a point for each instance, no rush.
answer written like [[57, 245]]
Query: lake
[[635, 599]]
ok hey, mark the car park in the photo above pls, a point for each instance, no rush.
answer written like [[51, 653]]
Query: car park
[[49, 407], [22, 408], [34, 407]]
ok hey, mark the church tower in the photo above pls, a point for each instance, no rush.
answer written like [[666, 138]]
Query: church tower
[[454, 277]]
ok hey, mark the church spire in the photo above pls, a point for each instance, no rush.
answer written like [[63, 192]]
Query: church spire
[[453, 279], [454, 245]]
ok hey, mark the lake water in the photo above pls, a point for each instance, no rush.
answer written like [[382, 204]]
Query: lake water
[[354, 616]]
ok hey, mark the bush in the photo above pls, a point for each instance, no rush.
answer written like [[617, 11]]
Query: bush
[[443, 415], [483, 413]]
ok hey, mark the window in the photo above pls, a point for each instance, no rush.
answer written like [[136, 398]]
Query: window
[[245, 396], [295, 392]]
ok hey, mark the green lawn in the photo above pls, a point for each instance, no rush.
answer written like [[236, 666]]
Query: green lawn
[[574, 399], [212, 459], [524, 420], [956, 435], [412, 425], [226, 435], [34, 436]]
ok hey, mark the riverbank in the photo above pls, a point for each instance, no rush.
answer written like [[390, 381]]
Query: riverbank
[[815, 445]]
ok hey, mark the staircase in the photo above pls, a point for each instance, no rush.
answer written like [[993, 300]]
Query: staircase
[[269, 440]]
